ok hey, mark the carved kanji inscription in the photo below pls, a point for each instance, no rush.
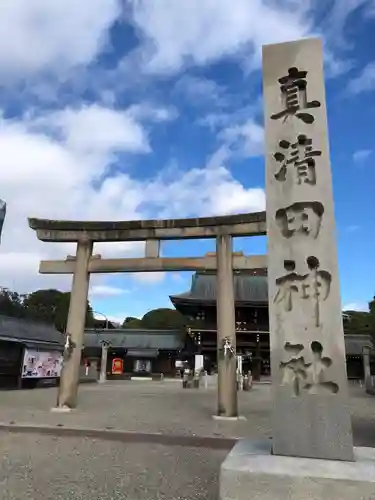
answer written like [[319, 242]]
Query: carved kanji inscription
[[300, 156], [314, 285], [293, 88], [300, 218], [309, 377]]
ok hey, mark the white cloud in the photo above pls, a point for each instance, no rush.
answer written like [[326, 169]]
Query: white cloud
[[364, 82], [106, 291], [52, 175], [337, 17], [205, 191], [45, 177], [56, 35], [192, 31], [96, 130], [200, 90], [356, 306], [334, 65], [176, 34], [361, 155], [64, 163], [247, 138], [148, 278], [157, 114]]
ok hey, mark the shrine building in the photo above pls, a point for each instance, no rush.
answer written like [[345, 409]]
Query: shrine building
[[198, 305]]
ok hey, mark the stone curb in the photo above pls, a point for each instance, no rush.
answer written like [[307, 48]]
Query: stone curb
[[122, 436]]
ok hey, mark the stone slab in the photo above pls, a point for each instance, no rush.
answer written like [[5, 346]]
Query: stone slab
[[324, 430], [61, 409], [229, 419], [308, 364], [251, 471]]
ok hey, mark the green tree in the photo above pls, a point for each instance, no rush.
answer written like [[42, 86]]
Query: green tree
[[52, 306], [12, 304], [133, 323], [163, 318], [157, 318], [357, 322], [128, 319]]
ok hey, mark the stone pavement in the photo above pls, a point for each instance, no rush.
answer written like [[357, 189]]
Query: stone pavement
[[54, 467], [34, 467], [163, 407]]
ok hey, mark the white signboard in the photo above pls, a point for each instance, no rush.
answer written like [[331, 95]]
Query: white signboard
[[41, 364], [198, 362]]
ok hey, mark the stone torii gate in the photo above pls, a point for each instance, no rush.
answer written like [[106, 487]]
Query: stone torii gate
[[86, 233]]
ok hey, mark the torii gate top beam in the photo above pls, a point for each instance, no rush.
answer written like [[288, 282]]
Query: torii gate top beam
[[251, 224]]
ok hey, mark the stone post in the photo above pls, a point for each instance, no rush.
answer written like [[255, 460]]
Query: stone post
[[103, 365], [366, 367], [69, 380], [310, 411], [226, 328]]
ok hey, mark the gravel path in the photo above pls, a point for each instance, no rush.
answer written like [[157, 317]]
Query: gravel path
[[153, 407], [34, 466], [40, 467]]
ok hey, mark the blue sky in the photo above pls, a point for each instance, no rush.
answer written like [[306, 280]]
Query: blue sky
[[138, 109]]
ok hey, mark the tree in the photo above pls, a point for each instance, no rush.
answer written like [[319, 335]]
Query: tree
[[130, 318], [163, 318], [52, 306], [357, 322], [134, 323], [157, 318], [12, 304]]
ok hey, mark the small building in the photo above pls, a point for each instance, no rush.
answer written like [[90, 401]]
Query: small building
[[134, 352], [29, 352], [198, 305], [354, 345]]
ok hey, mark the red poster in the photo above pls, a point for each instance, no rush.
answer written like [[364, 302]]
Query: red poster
[[117, 366]]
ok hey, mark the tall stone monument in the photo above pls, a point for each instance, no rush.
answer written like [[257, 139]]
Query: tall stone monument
[[310, 413], [311, 453]]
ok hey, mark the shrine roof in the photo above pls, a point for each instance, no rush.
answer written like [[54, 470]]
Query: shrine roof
[[354, 343], [248, 288], [30, 333], [135, 338]]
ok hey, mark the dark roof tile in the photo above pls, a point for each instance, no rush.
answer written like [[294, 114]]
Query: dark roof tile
[[354, 344], [247, 288], [29, 331], [136, 339]]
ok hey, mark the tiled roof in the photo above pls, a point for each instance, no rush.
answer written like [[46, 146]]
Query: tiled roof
[[355, 343], [29, 332], [136, 339], [247, 288]]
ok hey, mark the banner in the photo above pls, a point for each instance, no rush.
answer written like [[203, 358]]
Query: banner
[[41, 364], [117, 366]]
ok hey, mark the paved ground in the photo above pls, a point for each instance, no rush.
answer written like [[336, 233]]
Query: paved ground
[[78, 468], [166, 408], [50, 468]]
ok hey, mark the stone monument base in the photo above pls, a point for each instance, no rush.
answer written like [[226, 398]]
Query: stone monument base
[[251, 471], [61, 409], [228, 419]]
